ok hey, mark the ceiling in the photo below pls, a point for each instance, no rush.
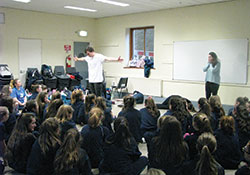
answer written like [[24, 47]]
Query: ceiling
[[103, 10]]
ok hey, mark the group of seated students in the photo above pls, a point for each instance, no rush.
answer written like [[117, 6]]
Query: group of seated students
[[44, 139]]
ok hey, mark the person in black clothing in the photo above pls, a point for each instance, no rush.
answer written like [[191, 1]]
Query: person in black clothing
[[204, 163], [20, 142], [53, 108], [239, 101], [108, 116], [64, 116], [70, 158], [36, 89], [150, 115], [44, 149], [42, 100], [133, 116], [90, 101], [201, 124], [228, 150], [121, 153], [245, 169], [94, 135], [77, 103], [168, 151], [242, 124], [217, 110]]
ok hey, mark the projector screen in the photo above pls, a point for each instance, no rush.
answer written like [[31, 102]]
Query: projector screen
[[190, 57]]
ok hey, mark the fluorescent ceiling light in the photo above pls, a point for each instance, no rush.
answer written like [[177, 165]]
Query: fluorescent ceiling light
[[83, 33], [79, 8], [113, 3], [23, 1]]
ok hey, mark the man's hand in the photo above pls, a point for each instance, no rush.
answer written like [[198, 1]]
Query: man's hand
[[76, 58]]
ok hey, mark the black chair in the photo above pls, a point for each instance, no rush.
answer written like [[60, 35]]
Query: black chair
[[5, 75], [32, 77], [63, 80], [73, 81], [49, 79], [123, 82]]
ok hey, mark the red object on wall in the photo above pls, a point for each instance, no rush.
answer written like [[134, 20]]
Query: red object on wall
[[140, 53], [68, 61], [67, 48], [151, 54]]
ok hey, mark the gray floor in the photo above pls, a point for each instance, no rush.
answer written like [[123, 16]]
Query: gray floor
[[142, 147]]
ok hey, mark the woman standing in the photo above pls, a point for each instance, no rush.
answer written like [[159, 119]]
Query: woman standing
[[212, 75]]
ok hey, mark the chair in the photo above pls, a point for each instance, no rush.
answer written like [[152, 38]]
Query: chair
[[5, 75], [49, 78], [77, 80], [32, 77], [123, 82], [63, 80]]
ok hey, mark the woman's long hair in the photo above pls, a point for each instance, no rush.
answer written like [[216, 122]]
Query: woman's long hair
[[41, 102], [178, 109], [101, 103], [68, 154], [77, 95], [243, 119], [64, 113], [204, 106], [122, 136], [56, 95], [216, 105], [49, 135], [206, 145], [170, 145], [201, 123], [53, 108], [95, 117], [215, 58], [20, 130], [6, 90], [30, 106], [151, 107], [8, 102], [89, 102], [227, 124], [129, 102]]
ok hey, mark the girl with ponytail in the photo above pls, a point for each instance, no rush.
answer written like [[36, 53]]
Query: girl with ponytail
[[121, 153], [133, 116], [204, 163], [201, 124], [150, 115], [228, 149], [70, 158], [94, 135], [217, 110]]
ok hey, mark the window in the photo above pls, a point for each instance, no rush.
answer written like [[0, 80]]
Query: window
[[142, 43]]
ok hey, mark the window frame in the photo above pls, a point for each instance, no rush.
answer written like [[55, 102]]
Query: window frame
[[131, 39]]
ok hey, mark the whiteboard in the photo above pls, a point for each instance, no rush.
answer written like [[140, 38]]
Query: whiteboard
[[190, 57]]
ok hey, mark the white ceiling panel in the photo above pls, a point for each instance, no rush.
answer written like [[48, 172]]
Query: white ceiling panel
[[103, 10]]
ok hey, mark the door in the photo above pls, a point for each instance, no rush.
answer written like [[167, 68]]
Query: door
[[81, 66], [30, 56]]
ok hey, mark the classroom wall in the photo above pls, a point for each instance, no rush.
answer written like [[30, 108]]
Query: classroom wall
[[55, 31], [228, 20]]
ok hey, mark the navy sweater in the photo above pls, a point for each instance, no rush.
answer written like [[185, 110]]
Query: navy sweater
[[39, 163], [108, 119], [65, 126], [9, 126], [79, 116], [18, 157], [245, 170], [192, 142], [93, 140], [118, 160], [134, 121], [148, 122], [228, 151]]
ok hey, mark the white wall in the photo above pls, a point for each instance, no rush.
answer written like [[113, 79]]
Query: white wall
[[229, 20]]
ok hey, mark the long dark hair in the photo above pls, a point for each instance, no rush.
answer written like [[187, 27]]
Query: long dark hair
[[6, 90], [216, 105], [56, 95], [178, 109], [201, 123], [20, 131], [152, 108], [129, 102], [89, 102], [95, 117], [170, 145], [40, 99], [30, 106], [206, 145], [8, 102], [243, 119], [68, 154], [101, 103], [64, 113], [77, 95], [215, 58], [227, 124], [122, 137], [204, 106], [53, 108], [49, 135]]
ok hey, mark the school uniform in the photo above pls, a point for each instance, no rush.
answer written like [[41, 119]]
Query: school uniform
[[148, 124], [39, 163], [1, 147], [122, 161], [79, 115], [192, 142], [18, 157], [33, 96], [108, 119], [9, 126], [244, 170], [93, 140], [81, 167], [228, 151], [189, 167], [243, 135], [169, 168], [65, 126], [215, 120], [134, 121]]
